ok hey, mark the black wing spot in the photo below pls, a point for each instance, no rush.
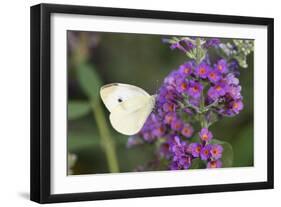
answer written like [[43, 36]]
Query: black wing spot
[[120, 100]]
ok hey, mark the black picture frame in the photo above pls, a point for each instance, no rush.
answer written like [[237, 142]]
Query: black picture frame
[[41, 99]]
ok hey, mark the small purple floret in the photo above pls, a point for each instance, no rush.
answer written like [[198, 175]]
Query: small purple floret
[[205, 152], [221, 66], [216, 151], [195, 149], [205, 135], [187, 130], [214, 164], [202, 70], [195, 88]]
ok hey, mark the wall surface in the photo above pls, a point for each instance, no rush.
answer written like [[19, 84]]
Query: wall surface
[[14, 110]]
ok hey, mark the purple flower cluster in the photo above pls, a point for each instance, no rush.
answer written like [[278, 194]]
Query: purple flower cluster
[[183, 88], [152, 129], [212, 42], [225, 90], [168, 120], [185, 44], [181, 159], [205, 150], [183, 153], [182, 44], [188, 95]]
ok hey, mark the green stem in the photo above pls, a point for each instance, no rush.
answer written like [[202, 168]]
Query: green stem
[[202, 109], [198, 45], [106, 140]]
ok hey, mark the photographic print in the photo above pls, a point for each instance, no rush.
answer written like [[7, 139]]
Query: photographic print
[[133, 103], [141, 102]]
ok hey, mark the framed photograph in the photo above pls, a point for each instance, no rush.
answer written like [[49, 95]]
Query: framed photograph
[[133, 103]]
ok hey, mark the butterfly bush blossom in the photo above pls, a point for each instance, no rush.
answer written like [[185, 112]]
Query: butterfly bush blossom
[[193, 96]]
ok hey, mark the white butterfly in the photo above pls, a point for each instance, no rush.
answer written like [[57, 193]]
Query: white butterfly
[[129, 106]]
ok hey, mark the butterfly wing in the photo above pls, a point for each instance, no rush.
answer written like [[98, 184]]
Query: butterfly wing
[[116, 93], [129, 117]]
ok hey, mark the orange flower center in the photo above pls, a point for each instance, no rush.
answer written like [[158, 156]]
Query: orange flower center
[[195, 88], [202, 71], [205, 137], [161, 129], [220, 67], [215, 151], [235, 105], [186, 130], [177, 126], [198, 149], [212, 75], [186, 70], [170, 107], [183, 86], [213, 164], [218, 88]]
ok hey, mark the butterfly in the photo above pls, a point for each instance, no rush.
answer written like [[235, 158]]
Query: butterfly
[[129, 106]]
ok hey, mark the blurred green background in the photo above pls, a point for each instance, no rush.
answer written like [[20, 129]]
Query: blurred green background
[[98, 58]]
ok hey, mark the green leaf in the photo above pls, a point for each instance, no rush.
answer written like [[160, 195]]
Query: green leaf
[[77, 109], [201, 54], [243, 145], [194, 138], [197, 163], [227, 155], [89, 81], [81, 141], [191, 54]]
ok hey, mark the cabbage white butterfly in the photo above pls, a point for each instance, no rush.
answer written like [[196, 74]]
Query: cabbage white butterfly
[[129, 106]]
